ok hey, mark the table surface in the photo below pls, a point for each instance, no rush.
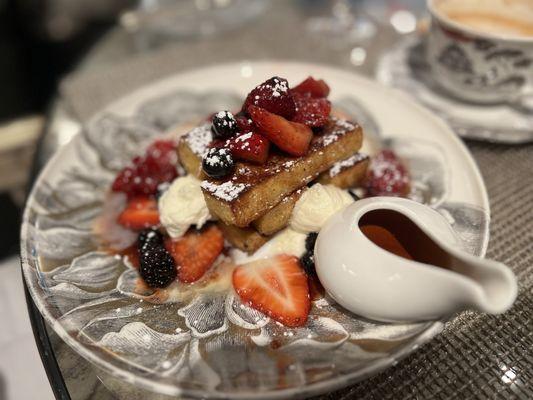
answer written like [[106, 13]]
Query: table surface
[[477, 356]]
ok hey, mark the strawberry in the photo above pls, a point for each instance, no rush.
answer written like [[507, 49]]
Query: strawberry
[[312, 87], [250, 146], [273, 95], [313, 112], [291, 137], [387, 176], [244, 123], [275, 286], [146, 173], [140, 213], [195, 252]]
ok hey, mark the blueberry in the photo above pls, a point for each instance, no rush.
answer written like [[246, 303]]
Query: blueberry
[[308, 263], [218, 162], [224, 125]]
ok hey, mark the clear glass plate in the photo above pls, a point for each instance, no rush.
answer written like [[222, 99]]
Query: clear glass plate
[[212, 345]]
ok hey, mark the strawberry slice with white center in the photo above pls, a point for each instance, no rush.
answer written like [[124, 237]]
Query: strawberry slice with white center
[[291, 137], [277, 287]]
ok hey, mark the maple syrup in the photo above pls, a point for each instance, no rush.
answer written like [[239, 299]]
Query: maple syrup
[[397, 234]]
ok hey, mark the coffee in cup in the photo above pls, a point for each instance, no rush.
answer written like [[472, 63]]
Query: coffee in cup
[[482, 50]]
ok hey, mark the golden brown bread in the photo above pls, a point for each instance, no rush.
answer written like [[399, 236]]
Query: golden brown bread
[[252, 190], [347, 173], [277, 217], [245, 239]]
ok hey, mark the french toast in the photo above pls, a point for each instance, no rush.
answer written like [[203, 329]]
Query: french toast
[[278, 216], [192, 147], [344, 174], [348, 173], [245, 239], [251, 190]]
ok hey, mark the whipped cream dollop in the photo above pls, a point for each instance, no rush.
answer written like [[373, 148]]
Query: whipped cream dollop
[[316, 205], [183, 205], [287, 241]]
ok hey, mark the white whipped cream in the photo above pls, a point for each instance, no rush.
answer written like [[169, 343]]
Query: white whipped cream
[[287, 241], [183, 205], [316, 205]]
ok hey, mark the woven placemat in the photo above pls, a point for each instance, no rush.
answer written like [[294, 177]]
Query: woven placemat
[[478, 355]]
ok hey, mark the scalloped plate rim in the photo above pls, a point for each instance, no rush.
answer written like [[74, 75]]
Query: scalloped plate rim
[[308, 389]]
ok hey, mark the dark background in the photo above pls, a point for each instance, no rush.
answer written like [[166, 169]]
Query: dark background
[[32, 61]]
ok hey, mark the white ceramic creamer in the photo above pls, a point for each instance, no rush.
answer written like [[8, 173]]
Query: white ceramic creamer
[[439, 278]]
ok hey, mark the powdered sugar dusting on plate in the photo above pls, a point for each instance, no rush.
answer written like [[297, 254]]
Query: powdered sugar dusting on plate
[[339, 166], [199, 139], [227, 191]]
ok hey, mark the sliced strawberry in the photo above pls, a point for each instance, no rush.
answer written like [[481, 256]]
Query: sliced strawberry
[[250, 146], [291, 137], [195, 252], [275, 286], [140, 213], [313, 112], [312, 87], [273, 95], [146, 173], [387, 176]]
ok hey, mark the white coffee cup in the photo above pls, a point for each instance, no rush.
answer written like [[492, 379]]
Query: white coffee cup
[[482, 50]]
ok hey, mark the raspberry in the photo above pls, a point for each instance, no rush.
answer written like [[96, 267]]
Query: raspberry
[[387, 176], [146, 173], [310, 111], [274, 96], [157, 266]]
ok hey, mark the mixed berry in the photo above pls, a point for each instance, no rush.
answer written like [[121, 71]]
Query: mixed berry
[[387, 176], [146, 173], [218, 162], [224, 125], [272, 113]]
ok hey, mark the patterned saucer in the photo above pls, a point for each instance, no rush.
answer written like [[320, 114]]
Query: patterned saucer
[[212, 345], [404, 67]]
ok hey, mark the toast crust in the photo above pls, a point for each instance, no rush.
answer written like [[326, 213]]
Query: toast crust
[[347, 173], [245, 239]]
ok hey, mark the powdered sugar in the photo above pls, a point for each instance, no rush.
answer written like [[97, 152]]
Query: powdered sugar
[[339, 166], [199, 139], [340, 128], [227, 191]]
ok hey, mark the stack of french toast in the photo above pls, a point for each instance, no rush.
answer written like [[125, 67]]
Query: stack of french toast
[[273, 163]]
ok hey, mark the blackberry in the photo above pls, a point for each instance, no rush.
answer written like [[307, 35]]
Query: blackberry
[[310, 241], [224, 125], [308, 263], [157, 267], [149, 238], [218, 162]]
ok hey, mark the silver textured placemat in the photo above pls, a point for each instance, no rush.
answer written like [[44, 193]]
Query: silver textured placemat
[[477, 355]]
